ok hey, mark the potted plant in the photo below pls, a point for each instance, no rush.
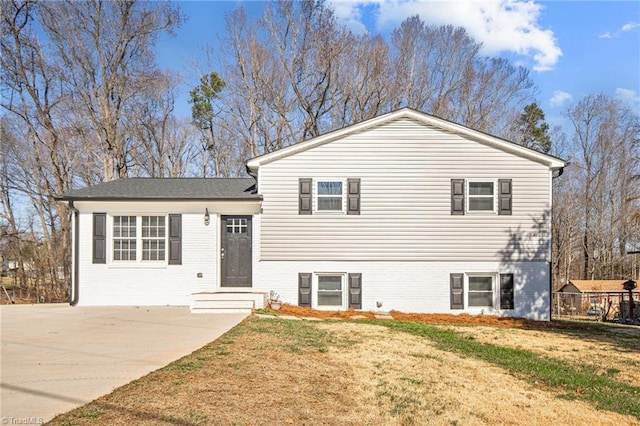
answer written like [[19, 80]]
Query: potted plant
[[274, 300]]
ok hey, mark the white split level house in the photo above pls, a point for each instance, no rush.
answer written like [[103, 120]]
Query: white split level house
[[403, 212]]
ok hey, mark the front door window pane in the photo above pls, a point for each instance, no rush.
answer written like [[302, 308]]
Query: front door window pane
[[237, 225]]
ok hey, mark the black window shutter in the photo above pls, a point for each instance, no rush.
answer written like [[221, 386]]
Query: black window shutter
[[355, 291], [504, 196], [457, 291], [353, 196], [99, 238], [175, 239], [304, 289], [457, 196], [506, 291], [304, 196]]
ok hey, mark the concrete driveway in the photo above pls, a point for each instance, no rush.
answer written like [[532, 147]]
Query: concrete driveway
[[57, 357]]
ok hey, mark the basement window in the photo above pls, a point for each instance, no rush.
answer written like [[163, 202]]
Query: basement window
[[330, 292], [481, 290]]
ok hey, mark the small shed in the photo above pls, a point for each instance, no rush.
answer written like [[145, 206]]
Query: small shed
[[597, 297]]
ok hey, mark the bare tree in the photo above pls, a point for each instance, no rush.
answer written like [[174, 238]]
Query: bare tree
[[492, 95], [70, 73], [162, 145], [306, 74], [440, 70], [312, 50], [605, 135], [258, 102], [36, 100], [105, 50], [366, 86]]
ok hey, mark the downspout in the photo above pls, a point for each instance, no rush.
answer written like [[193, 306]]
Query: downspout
[[76, 244], [560, 172]]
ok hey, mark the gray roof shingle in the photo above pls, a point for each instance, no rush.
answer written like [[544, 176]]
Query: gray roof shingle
[[168, 189]]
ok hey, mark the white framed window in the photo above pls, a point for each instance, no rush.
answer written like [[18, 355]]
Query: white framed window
[[481, 290], [329, 195], [124, 238], [330, 291], [481, 196], [153, 238], [139, 238]]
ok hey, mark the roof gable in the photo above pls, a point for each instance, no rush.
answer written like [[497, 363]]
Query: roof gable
[[407, 113], [167, 189], [599, 285]]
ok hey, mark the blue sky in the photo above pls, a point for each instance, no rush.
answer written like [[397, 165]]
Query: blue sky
[[573, 48]]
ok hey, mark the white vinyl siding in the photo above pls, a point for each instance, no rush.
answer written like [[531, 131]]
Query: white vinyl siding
[[405, 200]]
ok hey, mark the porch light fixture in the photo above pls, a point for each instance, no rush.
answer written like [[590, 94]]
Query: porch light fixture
[[206, 217]]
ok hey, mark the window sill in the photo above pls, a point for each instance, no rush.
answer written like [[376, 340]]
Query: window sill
[[138, 265], [329, 308]]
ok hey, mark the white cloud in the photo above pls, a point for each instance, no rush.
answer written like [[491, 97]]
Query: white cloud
[[629, 26], [559, 98], [626, 27], [349, 15], [627, 95], [500, 25]]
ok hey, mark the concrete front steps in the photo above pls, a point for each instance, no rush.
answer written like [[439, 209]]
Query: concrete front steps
[[227, 302]]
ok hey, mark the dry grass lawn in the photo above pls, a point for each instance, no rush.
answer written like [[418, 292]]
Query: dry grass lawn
[[604, 352], [419, 384], [285, 372]]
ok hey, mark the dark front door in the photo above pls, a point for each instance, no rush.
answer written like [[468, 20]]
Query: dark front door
[[235, 252]]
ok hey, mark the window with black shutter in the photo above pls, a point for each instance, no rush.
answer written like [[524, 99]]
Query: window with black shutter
[[353, 196], [355, 291], [504, 196], [175, 239], [99, 238], [304, 196], [304, 289], [506, 291], [457, 196], [456, 282]]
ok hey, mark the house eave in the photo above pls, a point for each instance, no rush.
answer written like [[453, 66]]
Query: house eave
[[160, 199]]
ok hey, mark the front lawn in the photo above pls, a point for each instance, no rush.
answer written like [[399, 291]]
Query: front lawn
[[270, 371]]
